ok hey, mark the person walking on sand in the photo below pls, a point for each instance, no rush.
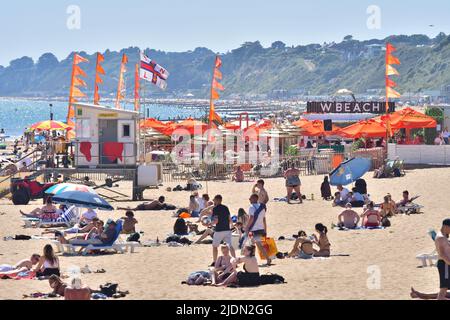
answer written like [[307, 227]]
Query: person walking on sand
[[443, 250], [221, 219], [257, 225], [262, 193], [293, 183]]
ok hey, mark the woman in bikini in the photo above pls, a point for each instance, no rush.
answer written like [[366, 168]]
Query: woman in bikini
[[223, 266], [322, 242], [303, 247], [47, 212], [388, 209], [250, 277], [371, 218]]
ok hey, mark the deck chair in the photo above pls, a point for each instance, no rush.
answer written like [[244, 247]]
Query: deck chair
[[430, 258], [116, 245], [69, 218]]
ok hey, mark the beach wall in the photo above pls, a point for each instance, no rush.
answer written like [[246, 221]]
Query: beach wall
[[420, 154]]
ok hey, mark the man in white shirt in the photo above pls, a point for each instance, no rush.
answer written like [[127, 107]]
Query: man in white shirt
[[344, 193], [257, 225]]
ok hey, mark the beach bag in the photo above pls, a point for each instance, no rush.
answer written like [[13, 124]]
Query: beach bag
[[198, 278], [272, 279], [270, 246], [134, 237], [109, 289]]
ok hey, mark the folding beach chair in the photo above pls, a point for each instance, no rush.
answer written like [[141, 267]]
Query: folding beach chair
[[69, 218], [116, 244], [429, 258]]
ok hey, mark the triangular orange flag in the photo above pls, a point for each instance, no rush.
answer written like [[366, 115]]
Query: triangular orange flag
[[218, 62], [390, 83], [77, 71], [79, 59], [217, 74], [391, 93], [391, 71], [98, 79], [215, 95], [392, 60], [390, 48], [124, 59], [76, 93], [100, 58], [217, 85], [79, 82], [100, 69]]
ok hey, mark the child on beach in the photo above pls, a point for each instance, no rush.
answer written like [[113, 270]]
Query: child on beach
[[129, 223]]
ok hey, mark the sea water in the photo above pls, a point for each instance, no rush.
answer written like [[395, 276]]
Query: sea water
[[18, 114]]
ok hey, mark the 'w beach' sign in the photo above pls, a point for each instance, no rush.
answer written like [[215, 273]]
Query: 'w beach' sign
[[349, 107]]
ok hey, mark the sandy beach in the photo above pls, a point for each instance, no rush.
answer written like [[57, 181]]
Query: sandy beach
[[157, 273]]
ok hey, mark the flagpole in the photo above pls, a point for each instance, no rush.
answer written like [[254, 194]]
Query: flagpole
[[95, 81]]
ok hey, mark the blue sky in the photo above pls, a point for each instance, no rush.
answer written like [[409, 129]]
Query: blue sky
[[32, 28]]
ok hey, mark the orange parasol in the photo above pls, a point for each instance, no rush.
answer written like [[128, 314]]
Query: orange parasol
[[194, 127], [365, 129], [301, 123], [408, 119], [316, 128]]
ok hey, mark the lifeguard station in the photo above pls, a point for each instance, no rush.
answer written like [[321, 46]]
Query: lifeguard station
[[106, 149]]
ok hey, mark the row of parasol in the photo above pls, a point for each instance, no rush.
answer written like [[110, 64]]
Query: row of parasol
[[373, 128]]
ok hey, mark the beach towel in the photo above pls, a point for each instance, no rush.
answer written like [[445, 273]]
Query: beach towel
[[85, 149], [113, 151], [24, 275], [361, 228]]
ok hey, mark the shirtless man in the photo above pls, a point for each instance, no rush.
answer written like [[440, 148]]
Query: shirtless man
[[149, 206], [259, 189], [24, 265], [443, 250], [293, 183], [348, 218]]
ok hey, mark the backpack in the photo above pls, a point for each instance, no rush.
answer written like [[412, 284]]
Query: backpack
[[109, 289], [385, 222], [272, 279], [134, 237]]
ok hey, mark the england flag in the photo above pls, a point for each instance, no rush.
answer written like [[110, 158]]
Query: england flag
[[153, 72]]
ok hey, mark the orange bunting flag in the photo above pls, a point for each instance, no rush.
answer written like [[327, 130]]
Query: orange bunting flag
[[391, 71], [79, 82], [391, 93], [217, 74], [98, 80], [214, 118], [77, 59], [77, 71], [217, 85], [390, 83], [121, 86], [75, 92], [214, 95], [392, 60]]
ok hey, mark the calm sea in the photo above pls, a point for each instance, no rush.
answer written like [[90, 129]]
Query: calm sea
[[18, 114]]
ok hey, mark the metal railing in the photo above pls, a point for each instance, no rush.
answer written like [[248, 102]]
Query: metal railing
[[309, 162]]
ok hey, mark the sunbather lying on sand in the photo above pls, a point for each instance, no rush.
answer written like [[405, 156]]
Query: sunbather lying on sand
[[153, 205], [21, 266]]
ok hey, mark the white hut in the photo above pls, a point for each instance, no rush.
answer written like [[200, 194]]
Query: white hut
[[105, 137]]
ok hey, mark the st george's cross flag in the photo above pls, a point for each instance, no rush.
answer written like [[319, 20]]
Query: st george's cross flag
[[153, 72]]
